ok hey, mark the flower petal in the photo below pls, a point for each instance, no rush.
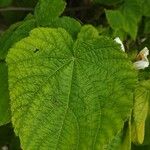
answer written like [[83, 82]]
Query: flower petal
[[141, 64], [117, 39]]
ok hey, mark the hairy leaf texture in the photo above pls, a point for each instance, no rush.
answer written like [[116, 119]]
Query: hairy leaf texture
[[47, 10], [69, 24], [141, 114], [140, 111], [121, 141], [68, 95]]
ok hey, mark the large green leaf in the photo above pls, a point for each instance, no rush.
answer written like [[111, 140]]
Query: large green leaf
[[68, 95], [140, 111], [47, 10]]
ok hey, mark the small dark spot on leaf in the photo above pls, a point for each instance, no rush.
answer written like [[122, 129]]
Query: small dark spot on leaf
[[36, 50]]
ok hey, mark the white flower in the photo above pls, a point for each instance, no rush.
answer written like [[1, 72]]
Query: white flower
[[117, 39], [143, 62]]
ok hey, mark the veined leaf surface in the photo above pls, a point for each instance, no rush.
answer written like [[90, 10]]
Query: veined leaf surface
[[47, 10], [140, 111], [68, 95]]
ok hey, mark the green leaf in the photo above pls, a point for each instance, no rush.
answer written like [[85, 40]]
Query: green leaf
[[69, 24], [126, 18], [146, 8], [47, 14], [4, 37], [15, 33], [113, 16], [4, 3], [4, 96], [146, 84], [68, 95], [122, 141], [126, 142], [116, 142], [47, 10], [88, 32], [12, 35], [140, 111]]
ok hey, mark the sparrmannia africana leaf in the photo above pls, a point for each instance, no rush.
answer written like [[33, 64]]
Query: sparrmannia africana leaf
[[140, 111], [68, 95]]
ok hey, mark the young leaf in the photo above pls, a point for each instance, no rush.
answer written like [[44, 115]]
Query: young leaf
[[69, 24], [126, 18], [88, 32], [47, 10], [4, 37], [140, 111], [15, 33], [68, 95], [116, 142]]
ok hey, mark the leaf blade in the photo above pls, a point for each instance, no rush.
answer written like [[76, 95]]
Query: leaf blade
[[67, 90], [47, 10]]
